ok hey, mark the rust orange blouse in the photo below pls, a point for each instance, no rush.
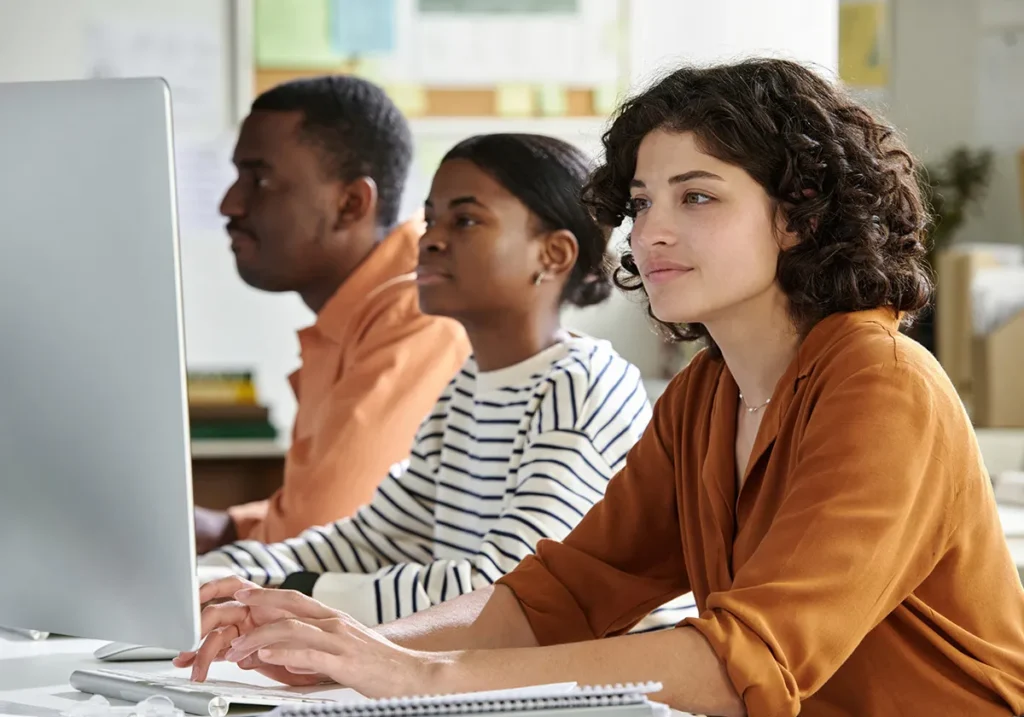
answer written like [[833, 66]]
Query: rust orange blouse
[[862, 569]]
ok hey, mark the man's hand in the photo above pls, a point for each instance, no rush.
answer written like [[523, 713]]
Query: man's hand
[[214, 528], [225, 620]]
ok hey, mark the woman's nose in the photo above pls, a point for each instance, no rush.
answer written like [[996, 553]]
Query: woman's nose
[[432, 241], [655, 227]]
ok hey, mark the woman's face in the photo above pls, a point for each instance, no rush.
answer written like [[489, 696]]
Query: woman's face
[[703, 235], [481, 251]]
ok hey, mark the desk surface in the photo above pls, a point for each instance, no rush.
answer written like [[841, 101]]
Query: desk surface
[[34, 674]]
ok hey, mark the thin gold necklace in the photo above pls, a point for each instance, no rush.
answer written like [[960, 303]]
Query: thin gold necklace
[[753, 409]]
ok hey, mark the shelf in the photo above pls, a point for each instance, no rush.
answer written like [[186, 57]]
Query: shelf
[[209, 449]]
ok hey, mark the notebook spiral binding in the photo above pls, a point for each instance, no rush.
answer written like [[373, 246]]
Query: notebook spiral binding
[[428, 706]]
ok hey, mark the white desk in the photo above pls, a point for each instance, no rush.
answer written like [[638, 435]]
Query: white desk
[[34, 675], [1012, 518]]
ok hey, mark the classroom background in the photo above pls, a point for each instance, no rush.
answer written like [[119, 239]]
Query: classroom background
[[948, 73]]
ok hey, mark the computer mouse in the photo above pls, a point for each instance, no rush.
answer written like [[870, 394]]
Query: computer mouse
[[123, 652]]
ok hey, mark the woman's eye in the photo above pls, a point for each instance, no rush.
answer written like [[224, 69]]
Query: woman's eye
[[261, 182], [429, 221], [696, 198], [635, 205], [464, 222]]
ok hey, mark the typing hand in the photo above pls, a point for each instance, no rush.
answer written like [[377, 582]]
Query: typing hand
[[225, 619], [320, 644], [214, 528]]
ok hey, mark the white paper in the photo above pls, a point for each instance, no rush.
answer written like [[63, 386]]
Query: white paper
[[204, 172], [475, 49], [1012, 519], [191, 59], [1000, 105], [521, 693], [997, 295], [18, 709]]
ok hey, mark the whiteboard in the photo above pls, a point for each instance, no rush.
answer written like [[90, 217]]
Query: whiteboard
[[227, 324], [51, 40]]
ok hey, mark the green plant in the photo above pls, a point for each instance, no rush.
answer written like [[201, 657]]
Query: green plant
[[954, 188]]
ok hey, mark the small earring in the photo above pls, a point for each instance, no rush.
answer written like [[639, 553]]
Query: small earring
[[538, 278]]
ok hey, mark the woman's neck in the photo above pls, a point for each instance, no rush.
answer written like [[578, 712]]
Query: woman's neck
[[758, 345], [502, 342]]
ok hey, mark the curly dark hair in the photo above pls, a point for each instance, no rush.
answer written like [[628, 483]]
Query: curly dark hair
[[844, 180], [360, 130]]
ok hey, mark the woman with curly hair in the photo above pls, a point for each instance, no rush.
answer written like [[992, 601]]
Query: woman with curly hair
[[812, 476]]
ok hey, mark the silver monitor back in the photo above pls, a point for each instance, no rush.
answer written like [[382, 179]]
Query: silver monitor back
[[95, 484]]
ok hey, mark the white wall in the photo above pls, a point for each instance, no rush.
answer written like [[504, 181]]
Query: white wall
[[228, 324], [667, 32], [933, 95]]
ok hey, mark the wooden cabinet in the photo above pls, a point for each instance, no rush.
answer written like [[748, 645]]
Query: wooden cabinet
[[227, 473]]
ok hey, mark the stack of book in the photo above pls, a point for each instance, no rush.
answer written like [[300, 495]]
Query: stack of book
[[225, 406]]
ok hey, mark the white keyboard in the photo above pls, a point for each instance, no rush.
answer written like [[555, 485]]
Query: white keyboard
[[213, 698], [234, 691]]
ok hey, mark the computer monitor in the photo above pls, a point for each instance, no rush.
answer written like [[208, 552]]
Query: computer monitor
[[96, 533]]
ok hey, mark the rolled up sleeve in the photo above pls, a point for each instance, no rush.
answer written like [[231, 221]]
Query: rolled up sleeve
[[865, 520]]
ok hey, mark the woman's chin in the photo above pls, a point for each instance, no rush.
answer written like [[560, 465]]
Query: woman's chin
[[675, 315]]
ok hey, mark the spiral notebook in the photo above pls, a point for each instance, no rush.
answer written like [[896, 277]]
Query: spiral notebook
[[553, 701]]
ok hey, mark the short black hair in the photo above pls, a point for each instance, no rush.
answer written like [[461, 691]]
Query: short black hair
[[845, 182], [361, 131], [547, 175]]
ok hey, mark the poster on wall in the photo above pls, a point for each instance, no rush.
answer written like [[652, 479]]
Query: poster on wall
[[491, 7], [864, 44], [445, 43], [486, 43]]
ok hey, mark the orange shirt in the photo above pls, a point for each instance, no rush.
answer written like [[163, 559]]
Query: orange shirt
[[373, 367], [861, 570]]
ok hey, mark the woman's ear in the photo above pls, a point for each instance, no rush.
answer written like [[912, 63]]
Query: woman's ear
[[559, 252], [784, 237], [356, 202]]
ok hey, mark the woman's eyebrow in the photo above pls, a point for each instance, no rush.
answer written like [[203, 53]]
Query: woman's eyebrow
[[680, 178]]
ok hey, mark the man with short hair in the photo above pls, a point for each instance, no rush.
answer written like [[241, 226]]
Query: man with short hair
[[321, 166]]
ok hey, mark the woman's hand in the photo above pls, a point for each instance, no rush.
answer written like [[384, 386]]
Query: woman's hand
[[225, 619], [316, 642]]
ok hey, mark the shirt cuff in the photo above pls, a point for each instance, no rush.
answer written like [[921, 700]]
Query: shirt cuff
[[550, 608], [354, 594], [247, 518], [764, 685], [301, 582]]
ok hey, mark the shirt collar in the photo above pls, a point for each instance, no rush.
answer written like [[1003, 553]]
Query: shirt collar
[[815, 345], [392, 261], [830, 329]]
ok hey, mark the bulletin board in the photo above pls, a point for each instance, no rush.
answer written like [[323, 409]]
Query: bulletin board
[[453, 58]]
